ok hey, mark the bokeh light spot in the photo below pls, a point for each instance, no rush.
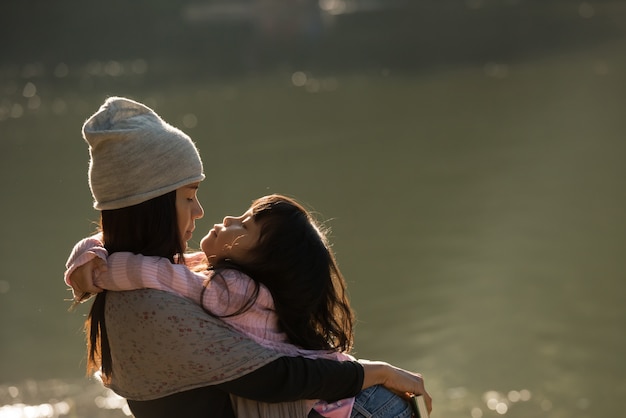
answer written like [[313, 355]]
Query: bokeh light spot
[[59, 106], [492, 394], [514, 396], [477, 412], [62, 408], [17, 111], [113, 68], [546, 405], [457, 393], [94, 68], [330, 84], [474, 4], [45, 410], [4, 288], [32, 70], [496, 70], [583, 403], [492, 404], [29, 90], [524, 395], [333, 7], [110, 400], [61, 70], [601, 68], [190, 120], [312, 85], [139, 66], [586, 10], [34, 103], [298, 79]]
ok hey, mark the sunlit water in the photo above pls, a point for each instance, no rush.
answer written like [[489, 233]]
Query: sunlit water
[[477, 213]]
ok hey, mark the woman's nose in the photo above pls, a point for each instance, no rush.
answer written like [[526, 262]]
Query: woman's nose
[[228, 220], [199, 211]]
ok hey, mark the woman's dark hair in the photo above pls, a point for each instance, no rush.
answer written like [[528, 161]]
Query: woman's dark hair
[[294, 261], [149, 228]]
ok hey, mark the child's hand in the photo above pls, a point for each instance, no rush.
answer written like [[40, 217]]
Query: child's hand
[[82, 279]]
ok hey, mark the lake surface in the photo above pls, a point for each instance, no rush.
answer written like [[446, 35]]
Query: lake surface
[[477, 212]]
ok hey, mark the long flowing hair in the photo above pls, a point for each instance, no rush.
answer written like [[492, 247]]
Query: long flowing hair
[[294, 260], [149, 228]]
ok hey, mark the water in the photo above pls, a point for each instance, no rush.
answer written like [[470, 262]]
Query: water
[[477, 213]]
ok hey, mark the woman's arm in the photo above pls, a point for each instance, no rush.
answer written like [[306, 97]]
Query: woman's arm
[[196, 350], [373, 373], [396, 379], [294, 378]]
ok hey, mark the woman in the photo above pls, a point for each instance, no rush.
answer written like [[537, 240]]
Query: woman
[[162, 352]]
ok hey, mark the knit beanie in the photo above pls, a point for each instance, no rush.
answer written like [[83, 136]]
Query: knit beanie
[[136, 155]]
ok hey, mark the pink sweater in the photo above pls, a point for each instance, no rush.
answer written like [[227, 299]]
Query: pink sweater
[[223, 296]]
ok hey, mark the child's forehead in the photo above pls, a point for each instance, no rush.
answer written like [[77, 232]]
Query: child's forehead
[[249, 214], [255, 208]]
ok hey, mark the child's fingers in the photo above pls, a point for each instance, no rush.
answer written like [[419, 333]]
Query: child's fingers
[[82, 279]]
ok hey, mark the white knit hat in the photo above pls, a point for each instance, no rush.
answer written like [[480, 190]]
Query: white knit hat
[[136, 155]]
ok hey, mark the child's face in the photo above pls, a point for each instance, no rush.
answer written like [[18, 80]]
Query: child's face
[[233, 239]]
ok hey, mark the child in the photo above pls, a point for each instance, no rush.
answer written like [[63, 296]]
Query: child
[[268, 273]]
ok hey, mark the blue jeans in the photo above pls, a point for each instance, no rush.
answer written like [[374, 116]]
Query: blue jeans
[[379, 402]]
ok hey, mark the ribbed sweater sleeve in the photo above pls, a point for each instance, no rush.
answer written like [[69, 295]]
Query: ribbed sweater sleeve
[[84, 251], [222, 293], [128, 271]]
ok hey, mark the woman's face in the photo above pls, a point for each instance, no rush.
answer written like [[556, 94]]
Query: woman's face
[[188, 209], [232, 239]]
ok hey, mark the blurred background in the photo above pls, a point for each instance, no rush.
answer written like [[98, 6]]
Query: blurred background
[[467, 154]]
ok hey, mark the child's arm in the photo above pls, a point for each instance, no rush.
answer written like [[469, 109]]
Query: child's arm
[[226, 292], [84, 251], [128, 271], [89, 250], [88, 257]]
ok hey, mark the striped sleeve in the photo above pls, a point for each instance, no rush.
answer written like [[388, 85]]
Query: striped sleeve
[[83, 252], [227, 291], [230, 290], [224, 292], [128, 271]]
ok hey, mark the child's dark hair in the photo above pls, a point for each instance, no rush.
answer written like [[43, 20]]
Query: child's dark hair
[[294, 261]]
